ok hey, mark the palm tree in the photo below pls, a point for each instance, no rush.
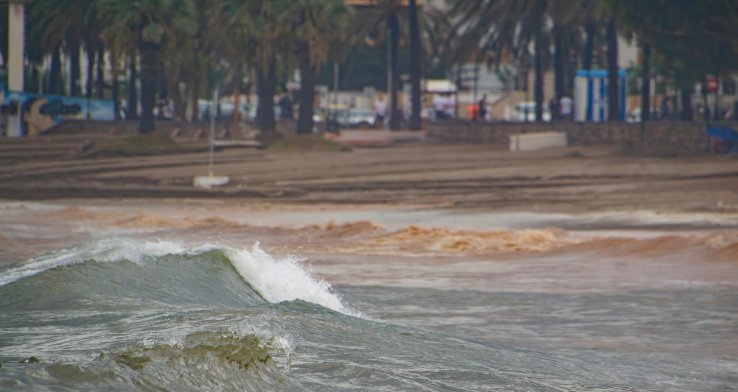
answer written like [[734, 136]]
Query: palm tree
[[505, 26], [267, 42], [613, 92], [317, 23], [67, 23], [381, 20], [415, 65], [148, 26]]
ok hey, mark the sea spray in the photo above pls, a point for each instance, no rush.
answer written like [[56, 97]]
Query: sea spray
[[285, 279]]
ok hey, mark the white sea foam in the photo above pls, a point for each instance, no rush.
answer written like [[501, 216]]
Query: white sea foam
[[284, 279], [105, 250], [40, 264]]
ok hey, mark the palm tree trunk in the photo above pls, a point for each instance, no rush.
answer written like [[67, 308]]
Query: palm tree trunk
[[267, 85], [35, 78], [236, 126], [538, 90], [90, 50], [116, 88], [559, 70], [55, 77], [687, 112], [613, 89], [394, 28], [307, 91], [705, 112], [415, 66], [591, 30], [74, 74], [100, 71], [646, 84], [195, 97], [149, 73], [132, 106]]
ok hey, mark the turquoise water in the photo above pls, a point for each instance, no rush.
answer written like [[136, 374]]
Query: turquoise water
[[130, 314]]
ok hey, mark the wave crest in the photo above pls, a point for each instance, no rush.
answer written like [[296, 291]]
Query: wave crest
[[717, 246], [415, 239], [275, 279]]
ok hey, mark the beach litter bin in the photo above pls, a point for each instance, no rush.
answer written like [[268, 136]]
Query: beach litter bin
[[724, 139]]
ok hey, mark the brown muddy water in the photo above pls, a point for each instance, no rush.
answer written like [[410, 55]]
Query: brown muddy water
[[194, 296]]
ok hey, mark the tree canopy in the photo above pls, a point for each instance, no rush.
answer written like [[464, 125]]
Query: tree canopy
[[182, 49]]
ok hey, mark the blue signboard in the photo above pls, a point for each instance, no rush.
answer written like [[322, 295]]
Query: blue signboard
[[40, 112]]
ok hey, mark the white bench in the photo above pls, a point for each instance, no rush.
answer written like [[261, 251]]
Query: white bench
[[537, 141]]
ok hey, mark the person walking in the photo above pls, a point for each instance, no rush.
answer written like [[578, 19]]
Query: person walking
[[482, 109], [380, 111]]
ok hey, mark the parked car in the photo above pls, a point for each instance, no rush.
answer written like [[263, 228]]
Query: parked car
[[359, 118]]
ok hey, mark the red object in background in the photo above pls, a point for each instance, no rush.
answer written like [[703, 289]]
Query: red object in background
[[472, 111], [712, 85]]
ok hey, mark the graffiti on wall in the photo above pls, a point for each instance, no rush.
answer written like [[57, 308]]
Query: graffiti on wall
[[40, 112]]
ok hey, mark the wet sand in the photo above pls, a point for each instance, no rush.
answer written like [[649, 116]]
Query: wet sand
[[479, 177]]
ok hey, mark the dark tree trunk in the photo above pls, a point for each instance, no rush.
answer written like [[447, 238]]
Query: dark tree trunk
[[687, 112], [591, 31], [394, 28], [646, 84], [90, 51], [415, 67], [705, 105], [538, 89], [35, 78], [100, 71], [559, 70], [267, 86], [149, 76], [74, 72], [163, 88], [613, 87], [55, 77], [307, 91], [116, 90], [132, 106], [236, 125], [195, 97]]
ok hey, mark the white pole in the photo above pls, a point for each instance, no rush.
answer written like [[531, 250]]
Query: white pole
[[213, 112], [16, 42]]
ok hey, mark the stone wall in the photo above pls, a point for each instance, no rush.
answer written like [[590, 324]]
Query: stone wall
[[184, 129], [664, 137]]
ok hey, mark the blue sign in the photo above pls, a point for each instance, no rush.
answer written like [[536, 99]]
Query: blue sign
[[40, 112]]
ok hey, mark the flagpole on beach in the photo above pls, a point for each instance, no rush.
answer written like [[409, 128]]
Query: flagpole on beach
[[210, 180], [213, 112]]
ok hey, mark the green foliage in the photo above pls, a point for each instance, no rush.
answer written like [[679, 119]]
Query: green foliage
[[221, 41], [690, 39]]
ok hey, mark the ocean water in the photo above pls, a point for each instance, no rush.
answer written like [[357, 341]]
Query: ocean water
[[117, 300]]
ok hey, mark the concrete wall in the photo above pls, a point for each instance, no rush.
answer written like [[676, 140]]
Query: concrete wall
[[659, 137]]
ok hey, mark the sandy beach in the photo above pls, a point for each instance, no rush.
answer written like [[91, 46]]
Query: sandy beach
[[428, 173]]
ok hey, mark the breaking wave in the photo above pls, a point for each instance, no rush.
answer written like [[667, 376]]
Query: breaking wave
[[171, 267]]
